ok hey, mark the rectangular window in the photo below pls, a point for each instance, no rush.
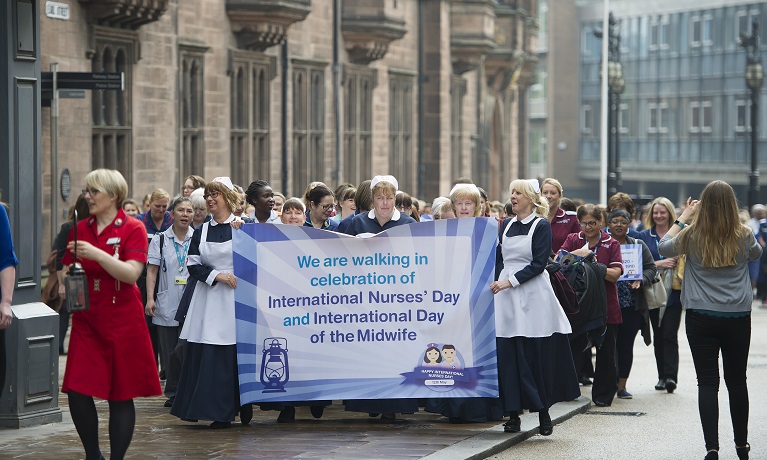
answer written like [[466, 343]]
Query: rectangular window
[[308, 123], [742, 115], [695, 31], [701, 116], [659, 33], [657, 114], [457, 91], [112, 110], [587, 122], [402, 162], [624, 118], [358, 121], [744, 19], [192, 68], [707, 33], [251, 76]]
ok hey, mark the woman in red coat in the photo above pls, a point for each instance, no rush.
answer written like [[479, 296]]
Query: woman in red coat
[[110, 355]]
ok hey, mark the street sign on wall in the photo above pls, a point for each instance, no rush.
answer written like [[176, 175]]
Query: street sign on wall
[[57, 10]]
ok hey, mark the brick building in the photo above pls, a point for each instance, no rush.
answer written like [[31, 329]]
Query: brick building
[[292, 91]]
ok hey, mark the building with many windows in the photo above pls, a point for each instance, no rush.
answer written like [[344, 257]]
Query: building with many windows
[[292, 91], [684, 114]]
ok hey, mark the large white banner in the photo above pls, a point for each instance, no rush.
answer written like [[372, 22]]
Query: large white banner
[[406, 313]]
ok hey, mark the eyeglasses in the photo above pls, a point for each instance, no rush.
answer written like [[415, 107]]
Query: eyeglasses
[[90, 191], [327, 207], [589, 224], [213, 195], [621, 223]]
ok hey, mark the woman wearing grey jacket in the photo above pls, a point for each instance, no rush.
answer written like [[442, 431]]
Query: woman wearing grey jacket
[[717, 296]]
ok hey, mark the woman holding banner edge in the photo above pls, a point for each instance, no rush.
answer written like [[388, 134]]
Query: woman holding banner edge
[[208, 387], [382, 217], [465, 202], [535, 369]]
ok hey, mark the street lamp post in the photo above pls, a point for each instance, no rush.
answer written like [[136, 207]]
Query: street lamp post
[[616, 85], [754, 80]]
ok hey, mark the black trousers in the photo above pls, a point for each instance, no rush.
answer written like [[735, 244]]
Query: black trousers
[[627, 333], [606, 369], [665, 340], [708, 335]]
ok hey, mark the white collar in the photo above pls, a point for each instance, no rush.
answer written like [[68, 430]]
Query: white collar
[[395, 216], [171, 234], [213, 222], [526, 220], [273, 216]]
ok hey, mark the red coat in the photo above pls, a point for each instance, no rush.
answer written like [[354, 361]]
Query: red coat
[[110, 354]]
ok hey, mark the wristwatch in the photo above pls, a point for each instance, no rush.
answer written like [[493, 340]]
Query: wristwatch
[[680, 224]]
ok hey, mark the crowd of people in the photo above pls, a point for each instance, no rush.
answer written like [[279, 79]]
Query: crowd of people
[[167, 263]]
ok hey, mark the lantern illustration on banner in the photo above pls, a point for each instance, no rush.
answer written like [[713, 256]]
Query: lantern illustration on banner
[[274, 365]]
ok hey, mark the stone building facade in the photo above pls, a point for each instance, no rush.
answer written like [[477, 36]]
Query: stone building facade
[[292, 91]]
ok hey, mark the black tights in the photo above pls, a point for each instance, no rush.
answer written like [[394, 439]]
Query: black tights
[[122, 419]]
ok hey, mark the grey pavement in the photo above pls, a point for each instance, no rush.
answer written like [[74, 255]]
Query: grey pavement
[[653, 425]]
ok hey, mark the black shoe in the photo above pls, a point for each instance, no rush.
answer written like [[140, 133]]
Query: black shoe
[[191, 420], [712, 455], [546, 427], [287, 415], [743, 451], [169, 402], [317, 411], [220, 425], [661, 385], [670, 385], [162, 374], [388, 418], [585, 381], [601, 403], [246, 414], [514, 425]]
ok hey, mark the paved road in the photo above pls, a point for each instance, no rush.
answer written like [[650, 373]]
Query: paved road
[[654, 425], [657, 425]]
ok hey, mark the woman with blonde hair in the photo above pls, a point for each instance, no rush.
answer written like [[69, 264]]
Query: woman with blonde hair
[[110, 355], [441, 208], [562, 222], [717, 297], [535, 368], [466, 201], [660, 218], [208, 387]]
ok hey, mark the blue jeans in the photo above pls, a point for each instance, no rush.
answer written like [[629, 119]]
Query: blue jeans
[[708, 335]]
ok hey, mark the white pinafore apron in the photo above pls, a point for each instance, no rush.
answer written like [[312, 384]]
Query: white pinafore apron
[[210, 318], [530, 309]]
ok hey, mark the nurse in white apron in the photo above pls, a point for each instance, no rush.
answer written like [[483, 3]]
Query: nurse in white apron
[[535, 369], [208, 388]]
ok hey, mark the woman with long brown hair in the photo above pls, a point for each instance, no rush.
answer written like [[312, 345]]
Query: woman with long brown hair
[[717, 296]]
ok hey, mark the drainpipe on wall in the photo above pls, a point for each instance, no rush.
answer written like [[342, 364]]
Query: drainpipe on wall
[[337, 87], [420, 171], [284, 118]]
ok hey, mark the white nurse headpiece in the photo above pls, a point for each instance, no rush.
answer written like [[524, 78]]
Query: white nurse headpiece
[[391, 179], [226, 181]]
